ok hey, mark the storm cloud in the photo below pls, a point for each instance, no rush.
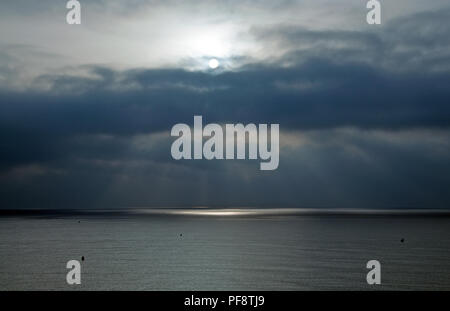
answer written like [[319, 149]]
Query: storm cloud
[[364, 117]]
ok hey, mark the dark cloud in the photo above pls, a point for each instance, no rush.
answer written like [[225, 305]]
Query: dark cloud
[[413, 43], [320, 168], [316, 94], [102, 138]]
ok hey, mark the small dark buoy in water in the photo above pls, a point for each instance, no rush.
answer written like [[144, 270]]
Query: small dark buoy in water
[[79, 221], [181, 234], [402, 240], [82, 258]]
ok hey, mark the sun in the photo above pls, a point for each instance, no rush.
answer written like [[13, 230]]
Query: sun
[[213, 63]]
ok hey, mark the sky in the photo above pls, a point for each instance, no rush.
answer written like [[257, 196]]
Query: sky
[[86, 110]]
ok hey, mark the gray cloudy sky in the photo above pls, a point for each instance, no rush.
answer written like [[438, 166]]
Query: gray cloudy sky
[[86, 110]]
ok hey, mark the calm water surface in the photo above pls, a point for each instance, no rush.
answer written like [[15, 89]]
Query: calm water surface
[[223, 250]]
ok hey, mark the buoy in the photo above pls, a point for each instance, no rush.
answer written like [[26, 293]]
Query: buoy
[[82, 258]]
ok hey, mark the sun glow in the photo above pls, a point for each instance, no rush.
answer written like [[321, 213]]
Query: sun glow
[[209, 44], [213, 63]]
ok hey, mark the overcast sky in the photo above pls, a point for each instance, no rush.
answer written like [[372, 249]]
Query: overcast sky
[[86, 110]]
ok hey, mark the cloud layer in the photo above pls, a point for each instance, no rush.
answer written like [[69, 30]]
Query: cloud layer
[[364, 117]]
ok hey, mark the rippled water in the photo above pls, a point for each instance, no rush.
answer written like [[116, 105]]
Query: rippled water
[[236, 249]]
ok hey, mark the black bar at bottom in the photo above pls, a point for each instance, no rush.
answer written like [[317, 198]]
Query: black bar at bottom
[[211, 300]]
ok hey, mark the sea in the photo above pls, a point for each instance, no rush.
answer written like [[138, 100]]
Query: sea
[[238, 249]]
